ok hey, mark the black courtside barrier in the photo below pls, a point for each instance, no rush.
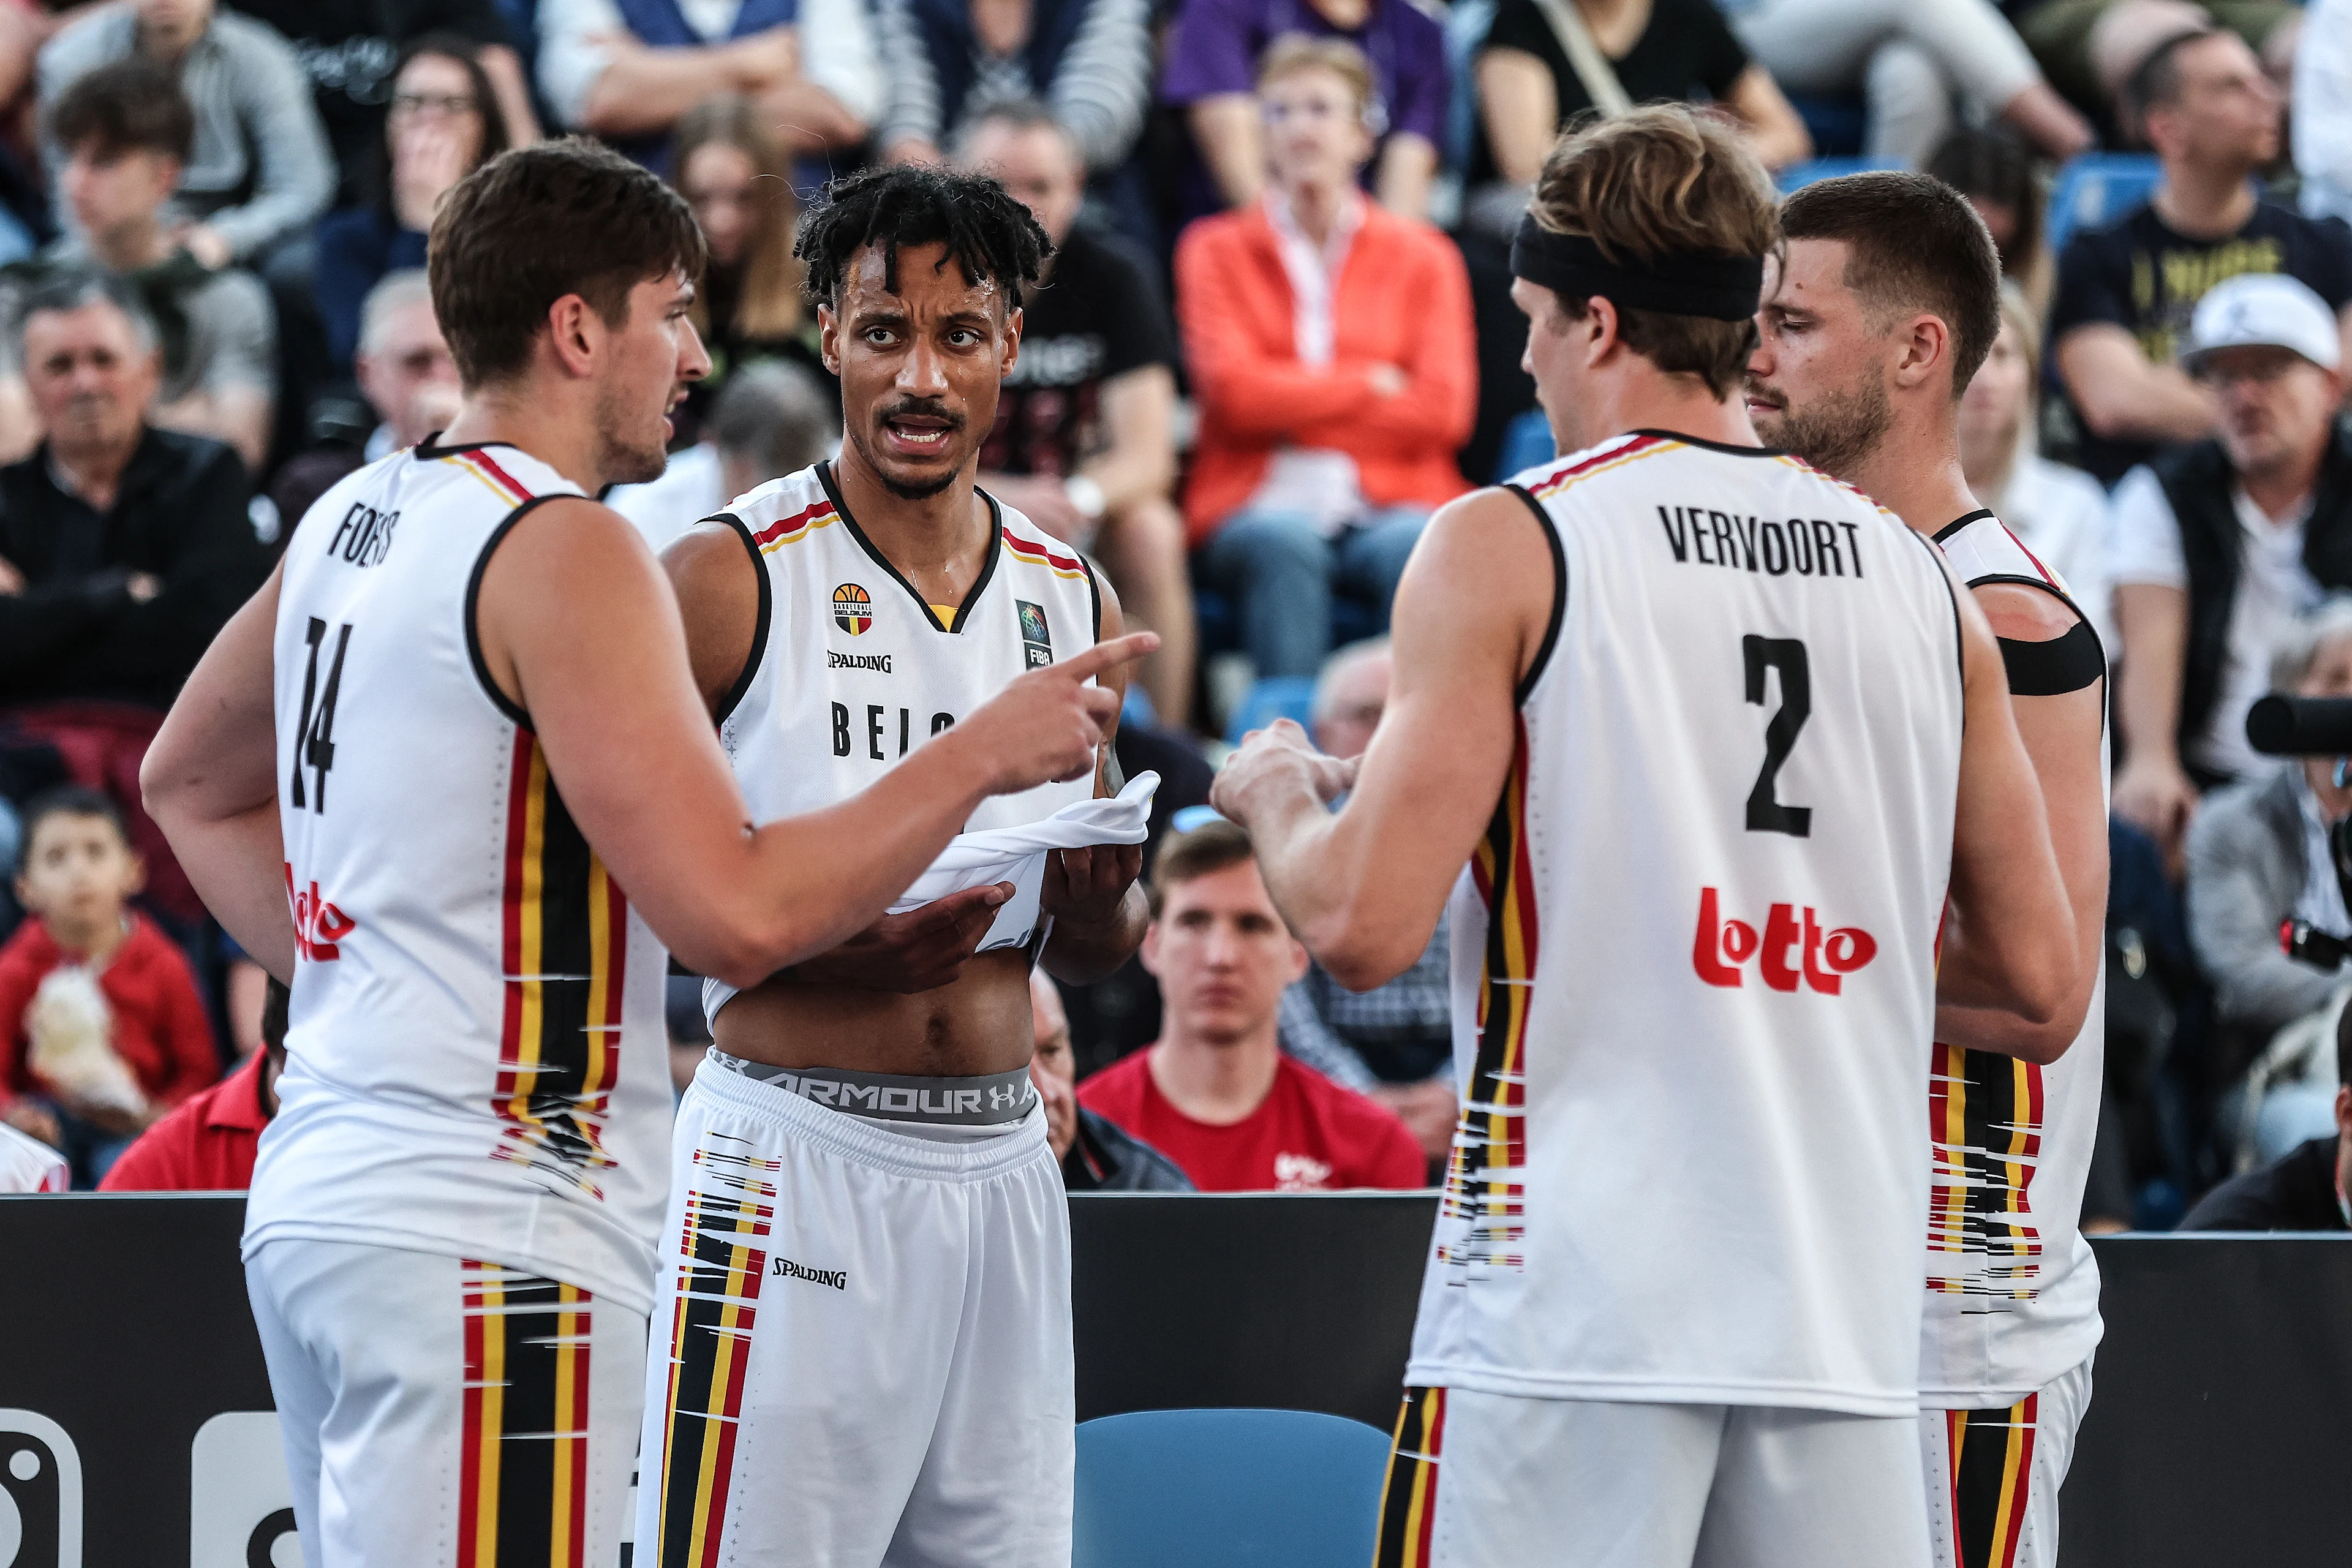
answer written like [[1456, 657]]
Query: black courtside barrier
[[134, 1409]]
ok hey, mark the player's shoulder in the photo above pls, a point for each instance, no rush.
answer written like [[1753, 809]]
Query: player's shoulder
[[29, 1165], [785, 510], [1023, 540]]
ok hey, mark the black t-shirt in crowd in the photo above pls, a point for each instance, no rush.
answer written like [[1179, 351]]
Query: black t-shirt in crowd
[[1687, 53], [2144, 277], [2296, 1193], [1094, 317], [348, 48]]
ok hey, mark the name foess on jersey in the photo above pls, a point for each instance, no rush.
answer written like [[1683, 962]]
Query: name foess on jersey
[[1775, 547], [1036, 637], [1795, 950], [363, 537], [853, 608], [878, 730]]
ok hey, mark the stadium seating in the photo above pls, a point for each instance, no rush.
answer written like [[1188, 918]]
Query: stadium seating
[[1276, 697], [2097, 188], [1227, 1489], [1526, 441]]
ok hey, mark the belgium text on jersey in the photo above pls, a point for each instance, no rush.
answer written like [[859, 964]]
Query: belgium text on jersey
[[1810, 548]]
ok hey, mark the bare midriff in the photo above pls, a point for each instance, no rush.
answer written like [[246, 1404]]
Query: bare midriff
[[977, 1025]]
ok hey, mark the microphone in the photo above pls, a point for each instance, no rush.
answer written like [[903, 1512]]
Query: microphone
[[2300, 726]]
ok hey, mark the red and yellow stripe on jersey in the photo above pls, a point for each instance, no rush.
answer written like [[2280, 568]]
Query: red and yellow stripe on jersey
[[719, 1264], [522, 1477], [1485, 1177], [1990, 1460], [794, 529], [485, 469], [564, 948], [1985, 1116], [1616, 457], [1409, 1495], [1037, 554]]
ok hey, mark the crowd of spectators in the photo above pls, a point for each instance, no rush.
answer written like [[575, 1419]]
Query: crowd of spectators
[[1275, 336]]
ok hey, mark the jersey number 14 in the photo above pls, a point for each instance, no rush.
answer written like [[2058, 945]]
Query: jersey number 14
[[314, 736]]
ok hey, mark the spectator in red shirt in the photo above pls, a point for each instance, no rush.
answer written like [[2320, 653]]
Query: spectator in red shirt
[[207, 1145], [104, 1027], [1216, 1094]]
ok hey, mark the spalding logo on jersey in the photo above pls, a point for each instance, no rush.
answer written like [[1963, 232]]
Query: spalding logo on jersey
[[853, 608], [1036, 640], [1796, 950]]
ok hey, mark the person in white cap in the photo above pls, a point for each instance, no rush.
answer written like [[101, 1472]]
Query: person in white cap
[[2220, 545]]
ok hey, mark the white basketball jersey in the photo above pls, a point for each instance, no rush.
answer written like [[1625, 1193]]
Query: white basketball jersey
[[475, 1059], [1695, 956], [851, 669], [2012, 1288]]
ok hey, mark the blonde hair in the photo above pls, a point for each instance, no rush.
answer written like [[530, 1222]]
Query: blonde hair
[[2018, 314], [1656, 182], [771, 305], [1296, 52]]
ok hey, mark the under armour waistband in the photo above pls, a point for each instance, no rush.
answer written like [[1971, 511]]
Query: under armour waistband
[[945, 1101]]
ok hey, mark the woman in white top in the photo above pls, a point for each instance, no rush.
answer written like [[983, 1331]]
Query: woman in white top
[[2060, 513]]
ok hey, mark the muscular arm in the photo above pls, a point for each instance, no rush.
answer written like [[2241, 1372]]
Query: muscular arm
[[210, 780], [629, 742], [2010, 939], [2124, 397], [1099, 912], [2065, 738], [1363, 888]]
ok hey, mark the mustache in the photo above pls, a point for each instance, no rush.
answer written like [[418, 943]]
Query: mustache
[[1757, 392], [929, 407]]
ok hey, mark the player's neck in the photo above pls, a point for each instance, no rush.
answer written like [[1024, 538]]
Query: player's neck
[[1220, 1082], [1646, 399], [1917, 475], [536, 418], [936, 541]]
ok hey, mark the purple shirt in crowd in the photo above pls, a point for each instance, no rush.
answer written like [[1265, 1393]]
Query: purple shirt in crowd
[[1216, 45]]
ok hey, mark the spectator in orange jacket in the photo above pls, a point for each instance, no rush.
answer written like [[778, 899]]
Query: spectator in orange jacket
[[1333, 354]]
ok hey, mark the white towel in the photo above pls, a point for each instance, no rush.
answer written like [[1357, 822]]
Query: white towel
[[1014, 855], [1017, 855]]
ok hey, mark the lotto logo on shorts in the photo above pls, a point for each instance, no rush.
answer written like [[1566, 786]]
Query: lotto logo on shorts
[[1795, 949], [853, 608]]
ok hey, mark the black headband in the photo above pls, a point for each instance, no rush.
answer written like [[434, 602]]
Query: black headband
[[1725, 287]]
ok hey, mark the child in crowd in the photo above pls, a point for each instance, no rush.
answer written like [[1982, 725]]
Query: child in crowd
[[104, 1027]]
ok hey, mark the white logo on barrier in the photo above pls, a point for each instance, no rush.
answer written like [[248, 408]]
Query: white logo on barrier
[[240, 1504], [40, 1493]]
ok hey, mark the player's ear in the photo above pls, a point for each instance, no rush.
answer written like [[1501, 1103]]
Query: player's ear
[[828, 339], [1926, 345], [574, 331], [1599, 324], [1013, 321]]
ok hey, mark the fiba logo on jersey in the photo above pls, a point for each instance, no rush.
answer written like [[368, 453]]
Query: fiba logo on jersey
[[1795, 949], [853, 608], [1036, 636]]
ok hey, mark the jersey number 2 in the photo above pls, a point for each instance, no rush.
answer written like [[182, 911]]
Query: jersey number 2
[[1787, 654], [314, 738]]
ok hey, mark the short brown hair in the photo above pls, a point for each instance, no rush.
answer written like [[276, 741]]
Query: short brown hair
[[538, 223], [1207, 850], [1913, 243], [1296, 52], [1658, 181], [132, 105]]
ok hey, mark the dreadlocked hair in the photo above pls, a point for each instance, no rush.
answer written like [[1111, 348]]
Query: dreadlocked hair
[[988, 233]]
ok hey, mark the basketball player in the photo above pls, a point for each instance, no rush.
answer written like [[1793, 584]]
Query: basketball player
[[866, 1305], [1712, 731], [1886, 304], [448, 772]]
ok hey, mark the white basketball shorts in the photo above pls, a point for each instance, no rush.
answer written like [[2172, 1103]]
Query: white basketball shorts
[[1993, 1476], [862, 1342], [439, 1410], [1497, 1481]]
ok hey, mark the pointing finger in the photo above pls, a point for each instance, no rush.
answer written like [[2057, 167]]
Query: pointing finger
[[1106, 655]]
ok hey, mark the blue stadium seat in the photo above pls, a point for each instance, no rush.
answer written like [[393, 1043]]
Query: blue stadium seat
[[1526, 441], [1276, 697], [2096, 189], [1227, 1489], [1796, 176], [1219, 621], [1836, 124]]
